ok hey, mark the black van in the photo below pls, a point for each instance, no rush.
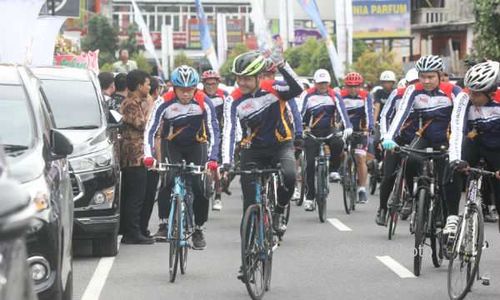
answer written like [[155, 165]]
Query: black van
[[79, 111], [36, 154]]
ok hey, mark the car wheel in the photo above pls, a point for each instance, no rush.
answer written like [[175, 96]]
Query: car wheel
[[107, 246]]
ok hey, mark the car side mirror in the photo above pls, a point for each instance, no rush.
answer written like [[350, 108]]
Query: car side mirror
[[60, 144], [16, 211]]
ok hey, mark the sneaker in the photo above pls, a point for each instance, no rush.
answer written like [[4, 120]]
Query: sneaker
[[279, 223], [491, 216], [198, 240], [309, 205], [362, 199], [296, 194], [334, 177], [161, 234], [217, 205], [450, 229], [381, 217]]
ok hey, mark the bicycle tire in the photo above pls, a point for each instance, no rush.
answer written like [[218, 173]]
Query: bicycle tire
[[174, 242], [373, 184], [287, 214], [302, 186], [345, 188], [321, 191], [420, 225], [253, 276], [397, 193], [183, 251], [456, 257], [268, 229], [436, 238], [393, 223], [353, 194]]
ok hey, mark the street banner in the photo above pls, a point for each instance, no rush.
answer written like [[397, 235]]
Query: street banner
[[344, 30], [378, 19], [311, 8], [86, 60], [301, 35], [148, 41], [16, 29], [261, 31], [46, 31], [206, 40]]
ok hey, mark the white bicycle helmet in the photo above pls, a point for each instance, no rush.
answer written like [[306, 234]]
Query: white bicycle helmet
[[388, 76], [483, 76], [429, 63], [411, 75]]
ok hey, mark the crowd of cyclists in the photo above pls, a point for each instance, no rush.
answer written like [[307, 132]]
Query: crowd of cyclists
[[262, 121]]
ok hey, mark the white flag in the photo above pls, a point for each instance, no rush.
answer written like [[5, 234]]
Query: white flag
[[146, 36], [44, 41]]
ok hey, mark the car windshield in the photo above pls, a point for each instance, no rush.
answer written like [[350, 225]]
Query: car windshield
[[74, 104], [16, 123]]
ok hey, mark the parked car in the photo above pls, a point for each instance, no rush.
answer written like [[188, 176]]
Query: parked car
[[79, 112], [36, 154], [16, 216]]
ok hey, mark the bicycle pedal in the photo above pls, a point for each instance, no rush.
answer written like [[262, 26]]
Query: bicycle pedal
[[485, 281]]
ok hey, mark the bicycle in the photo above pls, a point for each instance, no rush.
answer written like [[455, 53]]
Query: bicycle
[[301, 178], [465, 248], [321, 166], [427, 211], [349, 179], [397, 199], [272, 185], [180, 224], [257, 241]]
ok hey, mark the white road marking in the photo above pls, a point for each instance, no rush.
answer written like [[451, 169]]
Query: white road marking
[[396, 267], [339, 225], [96, 283]]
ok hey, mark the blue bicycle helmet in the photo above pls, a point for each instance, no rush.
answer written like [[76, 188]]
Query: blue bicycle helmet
[[185, 76]]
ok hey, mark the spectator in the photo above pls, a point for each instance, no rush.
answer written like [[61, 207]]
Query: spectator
[[107, 82], [120, 93], [134, 175], [124, 65]]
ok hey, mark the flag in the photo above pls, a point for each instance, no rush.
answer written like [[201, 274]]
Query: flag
[[205, 38], [260, 26], [44, 40], [146, 36], [311, 8], [221, 38]]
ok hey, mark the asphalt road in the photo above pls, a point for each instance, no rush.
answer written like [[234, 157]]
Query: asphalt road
[[315, 261]]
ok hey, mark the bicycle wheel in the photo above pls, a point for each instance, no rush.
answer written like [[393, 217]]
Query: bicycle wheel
[[302, 182], [321, 191], [353, 193], [269, 244], [394, 206], [436, 238], [287, 214], [183, 251], [466, 255], [393, 222], [420, 225], [252, 259], [345, 181], [174, 241]]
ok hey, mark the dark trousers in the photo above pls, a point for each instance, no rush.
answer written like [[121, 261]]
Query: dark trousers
[[391, 165], [268, 158], [312, 151], [197, 154], [149, 200], [134, 181], [449, 185], [472, 153]]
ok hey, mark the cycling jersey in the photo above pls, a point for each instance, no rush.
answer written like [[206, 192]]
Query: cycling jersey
[[360, 109], [319, 110], [478, 123], [218, 102], [296, 117], [184, 124], [381, 97], [264, 115], [409, 128], [433, 107]]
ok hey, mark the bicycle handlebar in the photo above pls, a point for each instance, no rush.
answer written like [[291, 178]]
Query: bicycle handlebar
[[425, 153], [187, 168], [319, 139], [480, 172]]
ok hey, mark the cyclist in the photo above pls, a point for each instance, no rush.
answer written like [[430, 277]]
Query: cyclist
[[260, 107], [190, 123], [211, 80], [392, 160], [359, 106], [387, 81], [432, 104], [320, 106], [475, 127]]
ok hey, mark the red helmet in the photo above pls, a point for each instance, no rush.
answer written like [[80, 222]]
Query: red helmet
[[209, 74], [353, 79]]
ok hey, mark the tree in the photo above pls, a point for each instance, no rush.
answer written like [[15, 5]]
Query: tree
[[182, 59], [131, 42], [101, 35], [225, 70], [487, 28], [371, 63]]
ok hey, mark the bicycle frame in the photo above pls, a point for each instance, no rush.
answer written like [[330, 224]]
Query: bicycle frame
[[179, 190]]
